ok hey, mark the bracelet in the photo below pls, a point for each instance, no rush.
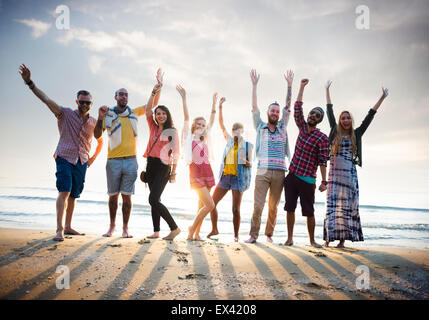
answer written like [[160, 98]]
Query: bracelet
[[30, 84], [324, 182], [153, 93], [213, 111]]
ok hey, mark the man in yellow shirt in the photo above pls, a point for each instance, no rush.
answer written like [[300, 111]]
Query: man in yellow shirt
[[121, 167]]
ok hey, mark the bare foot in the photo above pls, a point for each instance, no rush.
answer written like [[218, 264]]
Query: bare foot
[[172, 234], [155, 235], [198, 238], [288, 243], [190, 234], [109, 232], [59, 236], [213, 233], [341, 244], [70, 231], [315, 244], [236, 239], [125, 233], [326, 244]]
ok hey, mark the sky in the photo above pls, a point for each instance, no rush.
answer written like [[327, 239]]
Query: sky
[[209, 47]]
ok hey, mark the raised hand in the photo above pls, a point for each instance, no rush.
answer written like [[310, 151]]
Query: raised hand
[[102, 111], [25, 73], [160, 76], [214, 98], [254, 77], [221, 101], [156, 88], [304, 82], [385, 92], [181, 91], [289, 77], [328, 84]]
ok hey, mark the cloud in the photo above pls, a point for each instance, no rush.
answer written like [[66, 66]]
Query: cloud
[[95, 63], [39, 27]]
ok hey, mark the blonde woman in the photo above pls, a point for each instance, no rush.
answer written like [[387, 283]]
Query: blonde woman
[[342, 220], [196, 151]]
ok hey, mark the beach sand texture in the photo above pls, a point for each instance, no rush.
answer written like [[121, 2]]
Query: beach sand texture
[[116, 268]]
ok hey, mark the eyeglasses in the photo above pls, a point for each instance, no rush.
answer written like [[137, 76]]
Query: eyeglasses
[[317, 114], [121, 94], [88, 103]]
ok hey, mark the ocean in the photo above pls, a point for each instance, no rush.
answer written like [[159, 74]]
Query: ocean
[[34, 208]]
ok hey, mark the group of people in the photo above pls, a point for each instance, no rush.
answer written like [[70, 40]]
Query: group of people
[[313, 149]]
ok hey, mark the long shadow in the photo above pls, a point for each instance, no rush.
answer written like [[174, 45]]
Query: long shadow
[[26, 251], [156, 274], [263, 268], [52, 292], [126, 274], [318, 267], [228, 269], [395, 273], [292, 269], [34, 282], [201, 268]]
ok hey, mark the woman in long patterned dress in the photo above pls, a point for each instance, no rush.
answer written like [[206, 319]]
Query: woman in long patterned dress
[[196, 151], [342, 220]]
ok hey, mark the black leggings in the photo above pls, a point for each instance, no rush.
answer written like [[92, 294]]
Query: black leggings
[[158, 175]]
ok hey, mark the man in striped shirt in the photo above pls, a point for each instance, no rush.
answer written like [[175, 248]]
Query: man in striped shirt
[[311, 151], [272, 147], [72, 153]]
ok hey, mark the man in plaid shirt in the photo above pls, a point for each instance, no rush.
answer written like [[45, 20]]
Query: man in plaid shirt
[[72, 153], [311, 151]]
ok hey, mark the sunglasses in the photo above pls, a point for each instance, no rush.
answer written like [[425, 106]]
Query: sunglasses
[[88, 103], [317, 114]]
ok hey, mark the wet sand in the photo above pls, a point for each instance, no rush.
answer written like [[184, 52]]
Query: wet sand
[[117, 268]]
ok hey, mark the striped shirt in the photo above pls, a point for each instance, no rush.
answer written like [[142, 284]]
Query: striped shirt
[[75, 136], [272, 148], [311, 149]]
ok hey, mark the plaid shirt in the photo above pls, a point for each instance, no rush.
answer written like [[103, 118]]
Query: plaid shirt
[[75, 136], [311, 149]]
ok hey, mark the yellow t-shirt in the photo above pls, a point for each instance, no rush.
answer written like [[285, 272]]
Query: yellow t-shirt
[[128, 146], [231, 161]]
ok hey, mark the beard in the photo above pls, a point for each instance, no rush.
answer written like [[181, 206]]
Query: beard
[[122, 106], [312, 123], [272, 121]]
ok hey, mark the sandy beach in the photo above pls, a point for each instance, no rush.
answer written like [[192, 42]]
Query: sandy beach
[[116, 268]]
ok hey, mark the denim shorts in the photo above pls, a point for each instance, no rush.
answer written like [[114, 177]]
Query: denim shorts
[[121, 176], [228, 182], [70, 178]]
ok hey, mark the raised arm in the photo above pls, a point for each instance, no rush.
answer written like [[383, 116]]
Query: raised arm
[[370, 116], [160, 81], [52, 105], [255, 78], [380, 101], [289, 79], [98, 130], [213, 112], [222, 125], [298, 113], [151, 102], [329, 107], [286, 110]]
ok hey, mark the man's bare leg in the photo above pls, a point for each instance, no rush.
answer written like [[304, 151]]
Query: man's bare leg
[[290, 221], [69, 215], [311, 225], [61, 206], [126, 213], [113, 207]]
